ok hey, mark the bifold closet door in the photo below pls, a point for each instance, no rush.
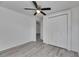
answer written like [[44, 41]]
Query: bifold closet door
[[55, 30]]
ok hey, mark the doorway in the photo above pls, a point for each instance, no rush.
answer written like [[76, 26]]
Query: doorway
[[38, 31]]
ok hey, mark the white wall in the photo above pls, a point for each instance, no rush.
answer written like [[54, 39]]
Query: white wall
[[41, 28], [15, 28], [75, 29]]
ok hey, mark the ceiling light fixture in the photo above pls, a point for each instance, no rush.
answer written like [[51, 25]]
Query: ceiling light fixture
[[38, 11]]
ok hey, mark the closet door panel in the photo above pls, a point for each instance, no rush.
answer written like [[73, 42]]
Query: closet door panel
[[57, 29]]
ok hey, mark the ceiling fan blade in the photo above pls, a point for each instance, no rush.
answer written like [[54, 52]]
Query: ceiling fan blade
[[45, 8], [43, 13], [35, 13], [29, 9], [34, 2]]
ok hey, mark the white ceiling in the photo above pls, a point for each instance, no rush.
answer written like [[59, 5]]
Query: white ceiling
[[19, 6]]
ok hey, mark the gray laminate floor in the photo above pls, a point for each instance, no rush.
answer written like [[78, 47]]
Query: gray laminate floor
[[37, 49]]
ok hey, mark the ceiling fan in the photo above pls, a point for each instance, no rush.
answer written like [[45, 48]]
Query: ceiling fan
[[38, 9]]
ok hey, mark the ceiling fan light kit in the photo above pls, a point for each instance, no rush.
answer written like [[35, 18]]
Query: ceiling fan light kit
[[38, 9]]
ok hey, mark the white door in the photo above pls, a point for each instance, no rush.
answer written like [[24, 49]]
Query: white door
[[55, 31]]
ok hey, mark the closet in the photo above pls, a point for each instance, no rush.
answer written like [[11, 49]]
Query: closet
[[62, 29]]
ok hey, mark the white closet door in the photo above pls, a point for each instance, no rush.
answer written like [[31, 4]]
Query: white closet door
[[55, 31]]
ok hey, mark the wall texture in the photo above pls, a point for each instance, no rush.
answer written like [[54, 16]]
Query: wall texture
[[75, 29], [15, 28]]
